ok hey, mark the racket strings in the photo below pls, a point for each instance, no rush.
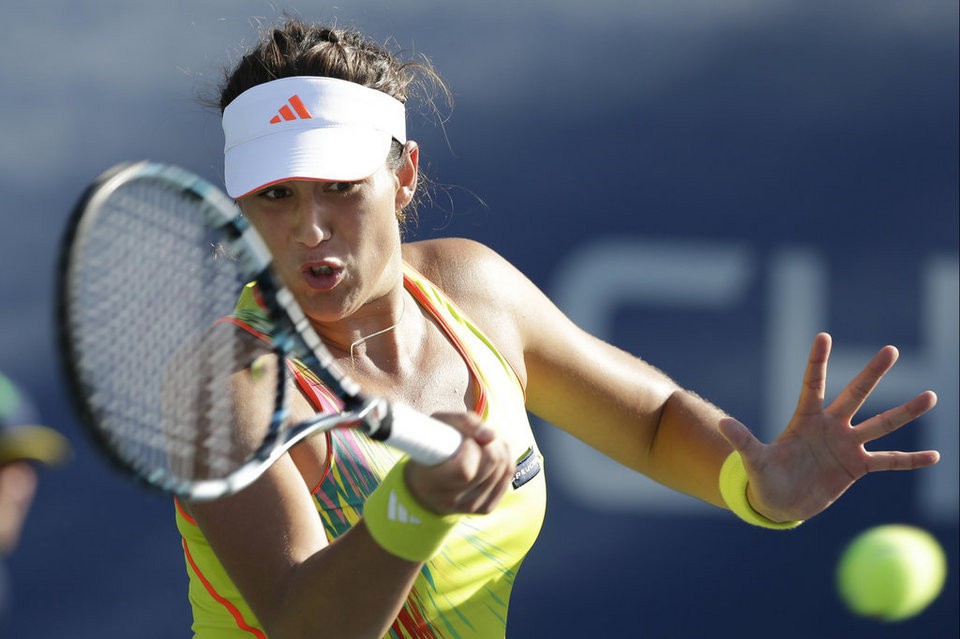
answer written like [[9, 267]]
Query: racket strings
[[157, 384]]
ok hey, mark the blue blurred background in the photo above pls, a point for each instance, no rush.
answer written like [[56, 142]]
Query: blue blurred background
[[707, 184]]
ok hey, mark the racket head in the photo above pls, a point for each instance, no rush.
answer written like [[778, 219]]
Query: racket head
[[148, 268]]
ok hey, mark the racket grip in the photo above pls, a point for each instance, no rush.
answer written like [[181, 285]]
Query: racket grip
[[425, 439]]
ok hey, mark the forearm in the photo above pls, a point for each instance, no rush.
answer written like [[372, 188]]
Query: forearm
[[635, 414], [624, 407], [687, 449], [298, 583], [352, 588]]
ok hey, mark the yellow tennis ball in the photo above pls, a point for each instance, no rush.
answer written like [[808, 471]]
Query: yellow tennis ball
[[891, 572]]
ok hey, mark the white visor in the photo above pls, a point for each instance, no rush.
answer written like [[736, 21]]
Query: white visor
[[307, 128]]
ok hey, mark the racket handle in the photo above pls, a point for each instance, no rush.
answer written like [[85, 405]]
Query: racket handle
[[425, 439]]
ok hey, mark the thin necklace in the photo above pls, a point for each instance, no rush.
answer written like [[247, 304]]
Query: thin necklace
[[403, 310]]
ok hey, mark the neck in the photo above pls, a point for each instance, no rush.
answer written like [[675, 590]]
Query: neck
[[362, 340]]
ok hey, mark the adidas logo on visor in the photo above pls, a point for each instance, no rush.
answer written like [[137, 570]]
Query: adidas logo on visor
[[286, 113]]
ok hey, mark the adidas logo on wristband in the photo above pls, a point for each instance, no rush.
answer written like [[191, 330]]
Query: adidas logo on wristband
[[398, 513]]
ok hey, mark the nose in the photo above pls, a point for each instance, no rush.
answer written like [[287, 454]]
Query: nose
[[311, 227]]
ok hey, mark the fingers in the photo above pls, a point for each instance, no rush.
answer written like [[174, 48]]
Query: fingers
[[891, 420], [473, 480], [469, 425], [478, 475], [489, 486], [896, 460], [851, 399], [478, 479], [815, 376]]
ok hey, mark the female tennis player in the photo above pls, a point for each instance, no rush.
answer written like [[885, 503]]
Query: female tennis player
[[343, 537]]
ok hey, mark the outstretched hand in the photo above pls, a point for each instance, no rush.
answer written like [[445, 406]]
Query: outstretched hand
[[821, 453]]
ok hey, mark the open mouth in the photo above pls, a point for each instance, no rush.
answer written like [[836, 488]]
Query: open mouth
[[322, 276], [320, 270]]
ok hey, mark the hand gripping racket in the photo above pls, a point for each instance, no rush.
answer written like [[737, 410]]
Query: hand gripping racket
[[154, 257]]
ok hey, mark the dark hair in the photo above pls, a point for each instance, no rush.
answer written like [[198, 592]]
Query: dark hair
[[296, 48]]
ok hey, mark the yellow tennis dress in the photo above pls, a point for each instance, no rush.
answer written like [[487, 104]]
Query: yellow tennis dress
[[464, 591]]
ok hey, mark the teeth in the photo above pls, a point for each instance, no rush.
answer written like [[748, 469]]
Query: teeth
[[321, 270]]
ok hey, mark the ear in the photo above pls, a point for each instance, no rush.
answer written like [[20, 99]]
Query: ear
[[407, 175]]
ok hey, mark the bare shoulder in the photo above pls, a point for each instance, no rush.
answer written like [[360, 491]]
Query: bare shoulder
[[481, 281], [466, 270]]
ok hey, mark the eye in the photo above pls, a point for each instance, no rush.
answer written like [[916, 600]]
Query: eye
[[274, 193], [340, 187]]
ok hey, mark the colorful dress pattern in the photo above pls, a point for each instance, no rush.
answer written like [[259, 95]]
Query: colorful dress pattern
[[464, 591]]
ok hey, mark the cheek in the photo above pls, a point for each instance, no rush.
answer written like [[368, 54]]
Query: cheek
[[272, 226], [251, 215], [377, 241], [272, 234], [379, 217], [379, 233]]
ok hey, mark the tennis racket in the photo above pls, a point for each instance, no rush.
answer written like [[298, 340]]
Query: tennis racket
[[153, 259]]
